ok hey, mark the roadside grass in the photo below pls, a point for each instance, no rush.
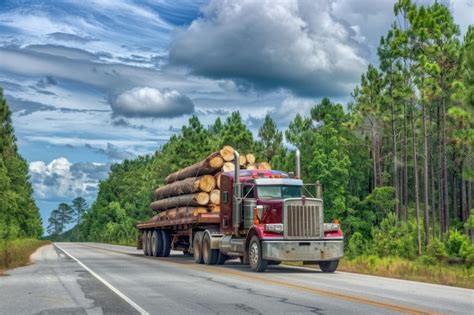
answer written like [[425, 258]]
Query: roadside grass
[[417, 270], [16, 253]]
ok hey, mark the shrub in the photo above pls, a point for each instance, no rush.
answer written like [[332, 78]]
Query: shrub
[[357, 245], [455, 242], [467, 253], [437, 249]]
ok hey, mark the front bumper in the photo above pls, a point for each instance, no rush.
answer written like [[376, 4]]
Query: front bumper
[[303, 250]]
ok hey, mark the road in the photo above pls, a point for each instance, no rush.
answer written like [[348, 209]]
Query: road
[[92, 278]]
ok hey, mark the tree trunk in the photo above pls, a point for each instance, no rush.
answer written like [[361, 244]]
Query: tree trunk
[[210, 165], [191, 200], [374, 157], [394, 160], [432, 177], [426, 220], [445, 167], [186, 186], [405, 163], [440, 179], [415, 174]]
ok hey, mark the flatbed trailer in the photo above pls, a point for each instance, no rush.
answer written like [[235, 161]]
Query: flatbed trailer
[[264, 219]]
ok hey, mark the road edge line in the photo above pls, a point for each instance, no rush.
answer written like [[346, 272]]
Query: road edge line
[[107, 284]]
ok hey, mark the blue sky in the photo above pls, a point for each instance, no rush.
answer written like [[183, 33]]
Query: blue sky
[[94, 82]]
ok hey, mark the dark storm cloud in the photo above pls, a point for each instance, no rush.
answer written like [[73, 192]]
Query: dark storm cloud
[[296, 45]]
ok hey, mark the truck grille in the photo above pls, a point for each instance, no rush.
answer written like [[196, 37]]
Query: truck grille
[[303, 221]]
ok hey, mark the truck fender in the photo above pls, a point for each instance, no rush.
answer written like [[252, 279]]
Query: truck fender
[[214, 237], [253, 231]]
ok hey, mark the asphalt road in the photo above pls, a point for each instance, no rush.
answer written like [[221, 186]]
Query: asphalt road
[[90, 278]]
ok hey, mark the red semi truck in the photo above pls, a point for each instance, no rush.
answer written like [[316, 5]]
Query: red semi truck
[[264, 219]]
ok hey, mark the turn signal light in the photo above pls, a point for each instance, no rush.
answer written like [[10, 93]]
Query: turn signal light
[[256, 219], [336, 221]]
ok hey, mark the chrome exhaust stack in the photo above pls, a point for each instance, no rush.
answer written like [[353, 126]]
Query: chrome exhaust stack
[[237, 200], [298, 164]]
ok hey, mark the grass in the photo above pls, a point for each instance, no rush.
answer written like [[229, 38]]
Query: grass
[[416, 270], [16, 253]]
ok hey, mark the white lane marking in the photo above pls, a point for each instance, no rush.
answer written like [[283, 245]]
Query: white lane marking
[[108, 285]]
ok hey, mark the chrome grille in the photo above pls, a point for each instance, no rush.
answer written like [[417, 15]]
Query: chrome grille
[[303, 221]]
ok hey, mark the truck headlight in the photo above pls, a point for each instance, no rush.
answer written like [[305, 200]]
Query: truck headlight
[[331, 227], [274, 227]]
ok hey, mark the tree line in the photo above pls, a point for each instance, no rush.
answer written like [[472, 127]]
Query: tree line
[[396, 166], [65, 214], [19, 215]]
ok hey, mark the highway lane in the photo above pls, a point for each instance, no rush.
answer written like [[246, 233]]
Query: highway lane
[[177, 285]]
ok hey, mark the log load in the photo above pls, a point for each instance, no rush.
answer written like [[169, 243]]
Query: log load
[[227, 153], [190, 185], [197, 199], [228, 167], [218, 180], [209, 165], [242, 161], [215, 197], [250, 158], [251, 166], [264, 166]]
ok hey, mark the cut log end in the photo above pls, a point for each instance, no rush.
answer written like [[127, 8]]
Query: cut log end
[[218, 180], [228, 167], [215, 197], [251, 166], [207, 183], [202, 198], [227, 153], [264, 166], [216, 162], [250, 158], [242, 160]]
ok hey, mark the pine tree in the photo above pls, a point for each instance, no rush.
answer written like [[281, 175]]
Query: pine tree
[[79, 207]]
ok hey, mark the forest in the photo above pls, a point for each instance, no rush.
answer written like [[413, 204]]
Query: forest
[[396, 165]]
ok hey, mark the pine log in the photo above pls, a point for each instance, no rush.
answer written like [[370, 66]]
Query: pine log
[[218, 180], [215, 197], [264, 166], [198, 211], [228, 167], [197, 199], [186, 186], [250, 158], [242, 160], [251, 166], [209, 165], [227, 153], [215, 209]]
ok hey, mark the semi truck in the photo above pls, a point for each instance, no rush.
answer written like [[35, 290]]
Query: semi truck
[[266, 217]]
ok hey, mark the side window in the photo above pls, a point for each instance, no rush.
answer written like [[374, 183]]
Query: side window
[[248, 192], [225, 196]]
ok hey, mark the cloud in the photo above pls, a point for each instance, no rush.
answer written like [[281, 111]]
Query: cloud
[[151, 102], [298, 45], [68, 37], [62, 179], [113, 152]]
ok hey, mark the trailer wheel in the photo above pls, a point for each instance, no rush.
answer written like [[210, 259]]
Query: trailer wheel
[[221, 258], [157, 244], [257, 263], [328, 266], [197, 248], [145, 243], [149, 234], [165, 235], [209, 255]]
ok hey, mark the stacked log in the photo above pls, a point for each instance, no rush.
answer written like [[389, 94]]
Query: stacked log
[[195, 189]]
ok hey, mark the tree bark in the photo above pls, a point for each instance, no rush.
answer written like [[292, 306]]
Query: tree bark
[[440, 179], [405, 163], [210, 165], [426, 220], [432, 177], [445, 167], [191, 200], [394, 159], [415, 174], [186, 186]]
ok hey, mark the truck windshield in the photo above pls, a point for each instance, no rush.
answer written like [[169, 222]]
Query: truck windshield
[[278, 192]]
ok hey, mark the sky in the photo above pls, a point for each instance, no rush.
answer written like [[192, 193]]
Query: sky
[[94, 82]]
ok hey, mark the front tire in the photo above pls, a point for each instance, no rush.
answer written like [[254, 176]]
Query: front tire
[[210, 255], [328, 266], [257, 263]]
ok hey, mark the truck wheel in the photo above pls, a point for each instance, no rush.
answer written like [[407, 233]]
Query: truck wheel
[[144, 243], [149, 234], [165, 235], [157, 244], [209, 255], [257, 263], [197, 248], [221, 258], [328, 266]]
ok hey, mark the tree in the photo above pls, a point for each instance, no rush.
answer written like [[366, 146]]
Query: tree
[[270, 138], [54, 223], [236, 134], [64, 215], [79, 207]]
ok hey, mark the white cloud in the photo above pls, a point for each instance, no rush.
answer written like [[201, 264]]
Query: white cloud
[[297, 45], [151, 102], [62, 179]]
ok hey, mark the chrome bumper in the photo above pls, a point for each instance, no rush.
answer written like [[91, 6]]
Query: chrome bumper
[[302, 250]]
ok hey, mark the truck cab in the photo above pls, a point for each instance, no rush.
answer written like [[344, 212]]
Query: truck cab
[[266, 218]]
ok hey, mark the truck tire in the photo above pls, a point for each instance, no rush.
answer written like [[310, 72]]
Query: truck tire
[[157, 244], [257, 263], [328, 266], [165, 235], [221, 258], [145, 243], [148, 242], [197, 248], [209, 255]]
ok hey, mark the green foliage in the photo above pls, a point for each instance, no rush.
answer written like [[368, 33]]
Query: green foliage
[[19, 215], [357, 245], [437, 250], [455, 243]]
